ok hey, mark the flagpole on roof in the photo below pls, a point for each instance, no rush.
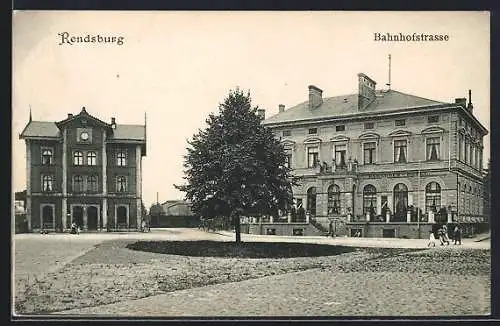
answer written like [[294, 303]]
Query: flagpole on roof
[[30, 112]]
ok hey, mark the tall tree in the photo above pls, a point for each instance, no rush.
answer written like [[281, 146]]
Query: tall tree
[[236, 166]]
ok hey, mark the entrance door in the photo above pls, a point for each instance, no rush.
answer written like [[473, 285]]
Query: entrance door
[[47, 217], [121, 216], [92, 218], [78, 215]]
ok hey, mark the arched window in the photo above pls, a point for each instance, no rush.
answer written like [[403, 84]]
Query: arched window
[[400, 202], [47, 156], [77, 183], [121, 184], [333, 200], [78, 158], [47, 183], [369, 200], [91, 158], [92, 183], [311, 201], [121, 158], [432, 197]]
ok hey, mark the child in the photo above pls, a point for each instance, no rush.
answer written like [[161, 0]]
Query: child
[[432, 239]]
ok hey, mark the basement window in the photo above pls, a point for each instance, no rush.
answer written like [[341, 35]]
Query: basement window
[[270, 231], [298, 232]]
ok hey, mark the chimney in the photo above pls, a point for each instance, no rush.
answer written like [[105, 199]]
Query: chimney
[[261, 113], [70, 115], [461, 101], [470, 106], [113, 123], [315, 97], [281, 108], [366, 91]]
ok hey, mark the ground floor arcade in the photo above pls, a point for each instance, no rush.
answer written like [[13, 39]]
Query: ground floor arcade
[[57, 214]]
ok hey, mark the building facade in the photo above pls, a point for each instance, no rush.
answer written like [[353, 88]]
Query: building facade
[[384, 163], [83, 170]]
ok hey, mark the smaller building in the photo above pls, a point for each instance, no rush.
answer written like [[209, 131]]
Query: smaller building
[[173, 213]]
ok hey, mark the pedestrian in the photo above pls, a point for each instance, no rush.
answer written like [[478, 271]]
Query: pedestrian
[[143, 225], [441, 236], [330, 229], [432, 239], [445, 235], [458, 235]]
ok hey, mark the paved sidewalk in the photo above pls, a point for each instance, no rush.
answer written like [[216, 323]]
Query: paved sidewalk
[[357, 242]]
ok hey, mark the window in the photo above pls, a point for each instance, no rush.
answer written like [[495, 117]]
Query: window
[[92, 185], [312, 157], [333, 200], [369, 125], [121, 158], [288, 160], [461, 149], [91, 158], [433, 148], [340, 128], [340, 155], [400, 151], [121, 184], [313, 131], [433, 119], [311, 201], [270, 231], [77, 183], [369, 200], [47, 156], [471, 155], [466, 152], [460, 121], [369, 152], [287, 133], [400, 202], [400, 122], [432, 197], [78, 158], [47, 183]]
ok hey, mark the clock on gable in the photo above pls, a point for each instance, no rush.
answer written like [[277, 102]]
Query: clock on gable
[[84, 135]]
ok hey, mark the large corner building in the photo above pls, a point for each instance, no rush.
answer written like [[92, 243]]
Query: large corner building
[[83, 170], [382, 163]]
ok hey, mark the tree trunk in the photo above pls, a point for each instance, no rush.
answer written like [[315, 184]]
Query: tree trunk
[[237, 227]]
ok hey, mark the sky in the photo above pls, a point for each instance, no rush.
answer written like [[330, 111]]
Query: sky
[[178, 66]]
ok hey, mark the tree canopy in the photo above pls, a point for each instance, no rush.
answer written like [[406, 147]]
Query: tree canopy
[[236, 166]]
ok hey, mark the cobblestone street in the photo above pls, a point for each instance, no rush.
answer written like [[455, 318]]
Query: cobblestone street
[[377, 290]]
